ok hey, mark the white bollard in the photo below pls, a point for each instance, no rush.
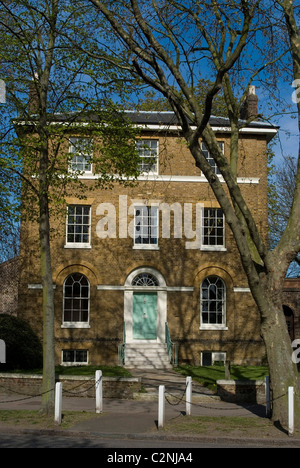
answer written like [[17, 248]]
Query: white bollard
[[58, 402], [291, 411], [268, 400], [161, 406], [188, 396], [99, 392]]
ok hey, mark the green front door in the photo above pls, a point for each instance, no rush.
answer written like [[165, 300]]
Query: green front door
[[144, 322]]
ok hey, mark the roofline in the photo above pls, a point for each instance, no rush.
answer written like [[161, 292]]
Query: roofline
[[218, 124], [248, 129]]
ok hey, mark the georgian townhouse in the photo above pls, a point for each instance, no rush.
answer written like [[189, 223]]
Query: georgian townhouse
[[149, 274]]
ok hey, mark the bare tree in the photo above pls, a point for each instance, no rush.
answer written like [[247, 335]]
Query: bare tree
[[169, 46]]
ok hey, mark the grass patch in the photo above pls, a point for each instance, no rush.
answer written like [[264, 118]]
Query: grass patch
[[107, 371], [36, 420], [208, 376], [233, 426]]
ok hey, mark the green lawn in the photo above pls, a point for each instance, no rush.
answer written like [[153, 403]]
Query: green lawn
[[208, 376], [107, 371]]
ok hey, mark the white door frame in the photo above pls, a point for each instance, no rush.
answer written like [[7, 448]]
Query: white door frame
[[161, 291]]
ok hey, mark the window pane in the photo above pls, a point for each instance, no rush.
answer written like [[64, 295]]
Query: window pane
[[213, 227], [75, 356], [76, 298], [76, 316], [81, 355], [67, 316], [68, 355], [213, 301], [68, 304], [82, 151], [146, 225], [84, 316], [145, 279], [148, 152], [78, 224], [210, 159]]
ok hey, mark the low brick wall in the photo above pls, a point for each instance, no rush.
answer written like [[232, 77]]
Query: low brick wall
[[242, 391], [73, 386]]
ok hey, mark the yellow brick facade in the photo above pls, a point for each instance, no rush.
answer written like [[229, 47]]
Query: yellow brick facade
[[108, 263]]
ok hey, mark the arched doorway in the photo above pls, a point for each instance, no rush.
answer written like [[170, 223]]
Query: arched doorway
[[289, 318], [145, 306]]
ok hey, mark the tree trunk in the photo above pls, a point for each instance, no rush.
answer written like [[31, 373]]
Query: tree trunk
[[283, 372], [48, 387]]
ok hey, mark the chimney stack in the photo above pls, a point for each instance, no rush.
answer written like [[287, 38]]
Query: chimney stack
[[250, 107]]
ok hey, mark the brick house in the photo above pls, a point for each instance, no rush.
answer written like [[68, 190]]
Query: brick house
[[136, 267]]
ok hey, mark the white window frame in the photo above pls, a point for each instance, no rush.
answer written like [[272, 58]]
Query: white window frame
[[141, 145], [85, 156], [137, 219], [74, 363], [76, 244], [212, 247], [76, 324], [214, 356], [213, 326], [210, 159]]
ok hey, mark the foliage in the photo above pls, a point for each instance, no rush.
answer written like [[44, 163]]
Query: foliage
[[49, 81], [53, 91], [23, 347]]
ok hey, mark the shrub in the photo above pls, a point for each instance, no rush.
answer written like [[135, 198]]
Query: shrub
[[23, 347]]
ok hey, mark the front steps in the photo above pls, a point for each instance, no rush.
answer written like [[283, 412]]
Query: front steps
[[147, 356]]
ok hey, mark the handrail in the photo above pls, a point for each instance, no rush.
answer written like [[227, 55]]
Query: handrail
[[172, 348], [122, 349]]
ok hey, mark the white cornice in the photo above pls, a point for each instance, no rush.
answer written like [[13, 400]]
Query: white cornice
[[178, 178]]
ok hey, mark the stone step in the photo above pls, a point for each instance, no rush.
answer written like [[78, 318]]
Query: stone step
[[147, 356]]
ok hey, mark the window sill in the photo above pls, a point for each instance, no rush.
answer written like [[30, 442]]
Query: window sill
[[70, 364], [213, 248], [75, 325], [145, 247], [77, 246], [213, 327], [80, 174]]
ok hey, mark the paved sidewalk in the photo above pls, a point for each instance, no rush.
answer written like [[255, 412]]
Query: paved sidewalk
[[138, 418]]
